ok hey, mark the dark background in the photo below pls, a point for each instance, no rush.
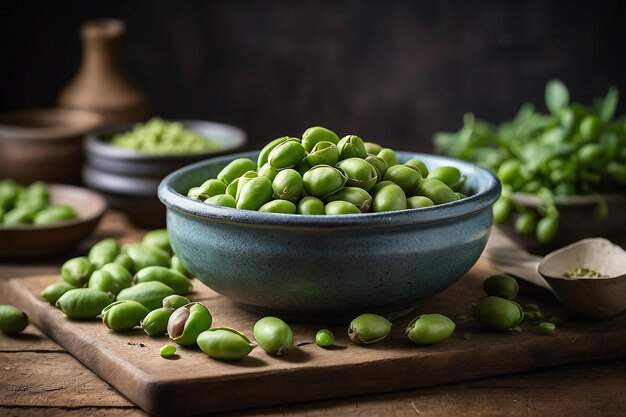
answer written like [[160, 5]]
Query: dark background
[[393, 72]]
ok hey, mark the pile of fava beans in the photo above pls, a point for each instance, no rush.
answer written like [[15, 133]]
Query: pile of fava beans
[[323, 174]]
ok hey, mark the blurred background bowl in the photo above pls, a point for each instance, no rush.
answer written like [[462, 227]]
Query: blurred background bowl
[[129, 179], [44, 144], [30, 242], [329, 268]]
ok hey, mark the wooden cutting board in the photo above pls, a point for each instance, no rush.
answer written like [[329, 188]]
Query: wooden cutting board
[[192, 383]]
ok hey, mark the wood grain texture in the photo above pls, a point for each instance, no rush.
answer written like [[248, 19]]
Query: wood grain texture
[[194, 383]]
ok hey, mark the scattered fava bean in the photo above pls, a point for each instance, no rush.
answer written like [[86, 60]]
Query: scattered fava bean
[[354, 195], [287, 154], [419, 165], [288, 185], [405, 177], [144, 256], [150, 294], [167, 351], [77, 271], [278, 206], [273, 335], [255, 193], [340, 207], [103, 252], [321, 180], [224, 200], [155, 322], [323, 153], [173, 279], [316, 134], [497, 313], [103, 281], [12, 319], [54, 291], [119, 273], [368, 328], [159, 238], [419, 201], [310, 205], [175, 301], [187, 322], [546, 328], [503, 286], [84, 303], [123, 315], [351, 146], [428, 329], [235, 169], [224, 343], [324, 338], [389, 198], [177, 265]]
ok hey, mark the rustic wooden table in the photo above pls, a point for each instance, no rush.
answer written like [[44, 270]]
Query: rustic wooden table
[[39, 378]]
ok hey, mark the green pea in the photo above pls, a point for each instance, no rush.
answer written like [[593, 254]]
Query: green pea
[[316, 134], [497, 313], [167, 351], [173, 279], [436, 190], [372, 148], [144, 256], [155, 322], [177, 265], [354, 195], [546, 229], [310, 205], [273, 335], [12, 319], [263, 155], [18, 216], [54, 291], [322, 180], [503, 286], [124, 260], [103, 281], [419, 165], [526, 223], [340, 207], [403, 176], [359, 173], [287, 154], [323, 153], [160, 238], [379, 164], [255, 193], [389, 198], [268, 171], [501, 210], [103, 252], [235, 169], [368, 328], [123, 315], [150, 294], [351, 146], [428, 329], [419, 201], [84, 303], [54, 214], [187, 322], [288, 185], [546, 328], [278, 206], [119, 274], [224, 200], [389, 156], [224, 343], [77, 271], [172, 302], [324, 338]]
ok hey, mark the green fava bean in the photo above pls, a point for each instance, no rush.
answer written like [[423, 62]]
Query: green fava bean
[[324, 338], [273, 335], [77, 271], [405, 177], [546, 328], [503, 286], [278, 206], [354, 195], [84, 303], [144, 256], [389, 198], [546, 229], [359, 173], [436, 190], [124, 260], [187, 322], [235, 169], [419, 165], [241, 181], [12, 319], [224, 200], [322, 180], [194, 192], [340, 207], [103, 281], [323, 153], [54, 291], [448, 175], [103, 252], [232, 188], [526, 223], [419, 201], [497, 313], [172, 302], [368, 328], [209, 188], [54, 214], [18, 216], [310, 205], [177, 265], [286, 154], [288, 185], [316, 134], [389, 156], [167, 351], [160, 238], [501, 210], [268, 171], [428, 329], [351, 146], [255, 193], [173, 279], [372, 148], [265, 152], [150, 294], [303, 167], [155, 322], [123, 315], [590, 153], [225, 343], [590, 127], [379, 186], [120, 275], [379, 164]]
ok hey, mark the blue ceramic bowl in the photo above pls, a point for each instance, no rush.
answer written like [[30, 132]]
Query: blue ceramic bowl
[[328, 268]]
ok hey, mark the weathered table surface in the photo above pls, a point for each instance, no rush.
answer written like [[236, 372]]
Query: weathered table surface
[[37, 377]]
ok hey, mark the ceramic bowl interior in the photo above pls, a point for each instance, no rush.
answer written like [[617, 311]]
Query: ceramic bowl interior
[[39, 242], [328, 268]]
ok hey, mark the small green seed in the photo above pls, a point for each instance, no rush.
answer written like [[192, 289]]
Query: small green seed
[[547, 328], [324, 338], [167, 351]]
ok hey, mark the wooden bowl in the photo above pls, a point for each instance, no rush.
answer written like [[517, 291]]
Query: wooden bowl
[[592, 298], [37, 242], [44, 144]]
